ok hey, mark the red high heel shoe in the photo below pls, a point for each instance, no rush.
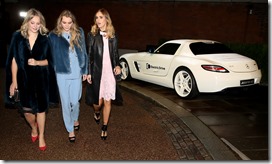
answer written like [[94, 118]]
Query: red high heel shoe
[[43, 148], [34, 138]]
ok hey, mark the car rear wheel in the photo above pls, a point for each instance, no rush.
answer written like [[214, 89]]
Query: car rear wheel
[[184, 84], [125, 70]]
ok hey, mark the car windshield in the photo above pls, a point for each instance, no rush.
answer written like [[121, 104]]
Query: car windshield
[[200, 48]]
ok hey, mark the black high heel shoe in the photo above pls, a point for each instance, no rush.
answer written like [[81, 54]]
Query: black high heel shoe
[[104, 132], [77, 127], [72, 139], [97, 117]]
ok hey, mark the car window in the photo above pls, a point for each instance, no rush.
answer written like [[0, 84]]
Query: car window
[[200, 48], [168, 49]]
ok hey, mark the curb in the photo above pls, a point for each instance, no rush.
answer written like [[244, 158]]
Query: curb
[[217, 149]]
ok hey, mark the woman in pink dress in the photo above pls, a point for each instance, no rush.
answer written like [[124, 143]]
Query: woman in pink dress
[[103, 67]]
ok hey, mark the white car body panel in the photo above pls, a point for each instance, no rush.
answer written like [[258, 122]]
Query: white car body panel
[[159, 69]]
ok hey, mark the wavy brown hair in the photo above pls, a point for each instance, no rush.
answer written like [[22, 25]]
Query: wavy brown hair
[[75, 32], [30, 14], [109, 26]]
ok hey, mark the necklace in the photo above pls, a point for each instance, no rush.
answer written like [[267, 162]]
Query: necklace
[[104, 34]]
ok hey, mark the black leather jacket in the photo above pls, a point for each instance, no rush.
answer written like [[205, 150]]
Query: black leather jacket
[[95, 54]]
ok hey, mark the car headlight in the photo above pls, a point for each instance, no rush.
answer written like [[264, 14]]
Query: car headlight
[[214, 68]]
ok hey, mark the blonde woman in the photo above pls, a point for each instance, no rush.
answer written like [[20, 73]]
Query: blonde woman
[[103, 67], [28, 62], [70, 63]]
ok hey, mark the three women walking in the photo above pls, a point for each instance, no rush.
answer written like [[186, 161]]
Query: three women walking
[[32, 54]]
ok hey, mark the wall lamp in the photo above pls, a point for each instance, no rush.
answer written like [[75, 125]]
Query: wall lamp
[[22, 14]]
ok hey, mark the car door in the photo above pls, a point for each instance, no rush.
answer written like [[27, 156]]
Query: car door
[[158, 62]]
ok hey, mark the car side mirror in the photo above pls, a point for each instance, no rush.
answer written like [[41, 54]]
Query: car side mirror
[[150, 48]]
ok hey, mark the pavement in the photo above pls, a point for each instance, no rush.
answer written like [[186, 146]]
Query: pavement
[[146, 127], [198, 131]]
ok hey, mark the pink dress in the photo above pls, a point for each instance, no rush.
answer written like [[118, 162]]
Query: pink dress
[[107, 83]]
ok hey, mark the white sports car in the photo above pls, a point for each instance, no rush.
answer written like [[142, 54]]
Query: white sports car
[[191, 67]]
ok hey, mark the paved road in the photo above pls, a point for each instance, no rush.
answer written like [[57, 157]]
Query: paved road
[[239, 117]]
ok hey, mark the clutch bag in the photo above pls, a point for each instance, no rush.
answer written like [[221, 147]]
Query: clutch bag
[[16, 96]]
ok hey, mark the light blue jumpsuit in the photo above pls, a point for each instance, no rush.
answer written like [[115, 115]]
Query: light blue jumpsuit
[[70, 89]]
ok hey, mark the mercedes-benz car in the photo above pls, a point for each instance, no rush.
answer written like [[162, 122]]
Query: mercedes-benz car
[[191, 66]]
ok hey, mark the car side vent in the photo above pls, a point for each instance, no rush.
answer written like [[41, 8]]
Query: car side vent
[[136, 66]]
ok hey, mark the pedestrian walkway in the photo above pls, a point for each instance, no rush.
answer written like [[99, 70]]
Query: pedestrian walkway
[[146, 127], [133, 134]]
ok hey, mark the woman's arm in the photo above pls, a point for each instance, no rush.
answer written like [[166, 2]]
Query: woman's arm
[[14, 84], [90, 48], [117, 68], [34, 62]]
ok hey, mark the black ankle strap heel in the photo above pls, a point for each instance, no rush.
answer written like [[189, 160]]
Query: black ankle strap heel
[[104, 132], [97, 117]]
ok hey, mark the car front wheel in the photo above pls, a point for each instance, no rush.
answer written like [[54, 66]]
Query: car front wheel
[[184, 84], [125, 70]]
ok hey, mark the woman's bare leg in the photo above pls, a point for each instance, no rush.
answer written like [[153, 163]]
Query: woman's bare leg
[[41, 124], [97, 111], [31, 119], [98, 107], [106, 111], [106, 116]]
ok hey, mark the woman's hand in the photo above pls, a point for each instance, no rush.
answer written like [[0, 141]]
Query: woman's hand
[[32, 62], [117, 70], [89, 79], [84, 77], [12, 88]]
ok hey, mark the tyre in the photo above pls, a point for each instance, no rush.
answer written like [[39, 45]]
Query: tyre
[[185, 84], [125, 70]]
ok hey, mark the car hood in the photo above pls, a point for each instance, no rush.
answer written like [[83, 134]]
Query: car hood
[[231, 61]]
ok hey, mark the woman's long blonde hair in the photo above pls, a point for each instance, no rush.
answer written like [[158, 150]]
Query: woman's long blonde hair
[[30, 14], [75, 32], [109, 27]]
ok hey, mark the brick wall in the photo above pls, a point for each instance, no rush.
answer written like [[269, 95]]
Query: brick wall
[[141, 23]]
